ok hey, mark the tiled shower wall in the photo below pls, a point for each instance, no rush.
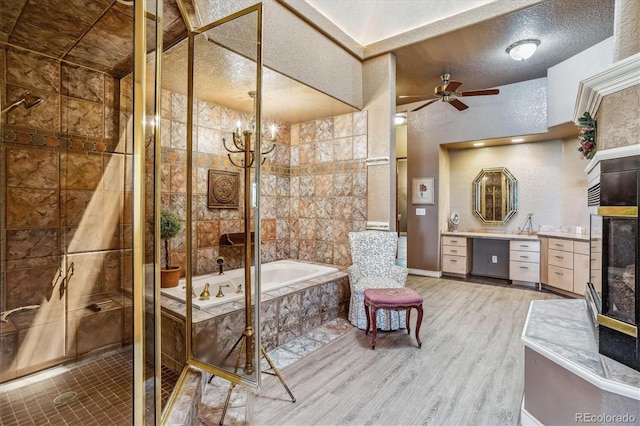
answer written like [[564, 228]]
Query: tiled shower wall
[[313, 187], [328, 187], [63, 182]]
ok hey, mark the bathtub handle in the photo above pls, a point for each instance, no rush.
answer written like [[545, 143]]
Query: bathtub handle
[[220, 293], [239, 289]]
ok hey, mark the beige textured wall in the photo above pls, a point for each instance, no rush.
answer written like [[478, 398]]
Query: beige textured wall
[[627, 29], [379, 75], [617, 118], [423, 234], [551, 183]]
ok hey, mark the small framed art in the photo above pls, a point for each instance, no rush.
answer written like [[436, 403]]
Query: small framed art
[[422, 190]]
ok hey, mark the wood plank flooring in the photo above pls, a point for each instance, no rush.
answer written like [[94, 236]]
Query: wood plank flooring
[[468, 372]]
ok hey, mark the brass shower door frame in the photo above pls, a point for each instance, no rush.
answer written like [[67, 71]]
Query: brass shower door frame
[[140, 275], [192, 360]]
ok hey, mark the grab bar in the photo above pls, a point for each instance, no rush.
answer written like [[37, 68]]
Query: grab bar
[[5, 314]]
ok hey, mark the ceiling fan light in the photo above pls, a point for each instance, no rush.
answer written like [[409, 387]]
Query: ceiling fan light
[[523, 49], [400, 118]]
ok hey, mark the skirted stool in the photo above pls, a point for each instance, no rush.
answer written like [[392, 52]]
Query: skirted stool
[[397, 299]]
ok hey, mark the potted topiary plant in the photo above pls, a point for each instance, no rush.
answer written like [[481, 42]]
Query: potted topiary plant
[[170, 225]]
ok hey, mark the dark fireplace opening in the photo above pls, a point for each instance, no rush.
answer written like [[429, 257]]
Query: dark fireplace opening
[[614, 285]]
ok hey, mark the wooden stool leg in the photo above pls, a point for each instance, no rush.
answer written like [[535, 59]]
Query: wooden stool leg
[[418, 324], [374, 315], [366, 311], [408, 320]]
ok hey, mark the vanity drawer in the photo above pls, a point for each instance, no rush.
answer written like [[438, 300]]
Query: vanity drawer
[[454, 264], [524, 256], [454, 250], [524, 271], [561, 278], [564, 245], [581, 247], [454, 241], [561, 259], [524, 245]]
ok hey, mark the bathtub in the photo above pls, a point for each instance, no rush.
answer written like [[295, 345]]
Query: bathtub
[[274, 275]]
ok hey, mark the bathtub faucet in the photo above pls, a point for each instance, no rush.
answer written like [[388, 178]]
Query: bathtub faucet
[[220, 262], [220, 293], [239, 288]]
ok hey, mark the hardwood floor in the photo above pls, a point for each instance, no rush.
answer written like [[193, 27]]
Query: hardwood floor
[[468, 372]]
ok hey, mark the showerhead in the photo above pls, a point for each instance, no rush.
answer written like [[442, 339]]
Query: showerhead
[[28, 101]]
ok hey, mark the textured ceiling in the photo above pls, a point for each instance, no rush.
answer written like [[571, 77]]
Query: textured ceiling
[[284, 99], [97, 34], [476, 54]]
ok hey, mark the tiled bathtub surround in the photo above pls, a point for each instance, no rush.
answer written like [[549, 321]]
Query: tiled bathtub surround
[[65, 233], [313, 186], [287, 313]]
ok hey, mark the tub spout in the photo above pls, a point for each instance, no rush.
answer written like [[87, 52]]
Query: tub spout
[[205, 293], [220, 293], [220, 262]]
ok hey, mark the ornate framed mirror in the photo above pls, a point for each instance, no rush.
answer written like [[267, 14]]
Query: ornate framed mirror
[[495, 196]]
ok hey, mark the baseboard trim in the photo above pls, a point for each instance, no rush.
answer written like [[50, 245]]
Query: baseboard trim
[[526, 418], [425, 273]]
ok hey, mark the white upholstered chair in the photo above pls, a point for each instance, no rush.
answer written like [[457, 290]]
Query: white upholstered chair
[[374, 255]]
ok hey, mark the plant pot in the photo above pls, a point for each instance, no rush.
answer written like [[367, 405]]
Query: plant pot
[[169, 277]]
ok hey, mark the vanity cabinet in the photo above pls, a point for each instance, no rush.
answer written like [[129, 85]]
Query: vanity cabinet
[[580, 267], [524, 261], [567, 264], [560, 264], [456, 255]]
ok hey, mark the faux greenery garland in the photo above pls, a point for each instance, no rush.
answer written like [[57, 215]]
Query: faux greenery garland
[[587, 136]]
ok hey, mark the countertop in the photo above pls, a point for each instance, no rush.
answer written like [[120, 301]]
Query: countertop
[[561, 331], [490, 235], [564, 235], [509, 236]]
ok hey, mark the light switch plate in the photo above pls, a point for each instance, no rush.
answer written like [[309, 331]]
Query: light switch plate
[[421, 212], [494, 259]]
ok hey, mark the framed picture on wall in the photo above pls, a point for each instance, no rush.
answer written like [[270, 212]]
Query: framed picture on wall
[[422, 190], [224, 189]]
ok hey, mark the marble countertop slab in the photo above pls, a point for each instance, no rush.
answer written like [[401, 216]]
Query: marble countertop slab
[[561, 331], [491, 235], [564, 235]]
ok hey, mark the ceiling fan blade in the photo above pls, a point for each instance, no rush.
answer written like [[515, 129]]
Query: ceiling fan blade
[[457, 104], [480, 92], [426, 104], [452, 86], [415, 96]]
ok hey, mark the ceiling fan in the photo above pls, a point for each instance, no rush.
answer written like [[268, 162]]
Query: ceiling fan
[[447, 93]]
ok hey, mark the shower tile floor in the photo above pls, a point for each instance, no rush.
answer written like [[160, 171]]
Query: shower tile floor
[[215, 392], [99, 391], [92, 392]]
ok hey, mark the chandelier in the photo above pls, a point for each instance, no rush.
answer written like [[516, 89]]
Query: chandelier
[[242, 140]]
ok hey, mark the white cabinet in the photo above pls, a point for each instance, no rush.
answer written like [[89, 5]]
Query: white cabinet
[[524, 261], [567, 263], [580, 267], [456, 255]]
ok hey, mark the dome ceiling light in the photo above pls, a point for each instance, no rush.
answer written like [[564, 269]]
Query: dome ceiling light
[[523, 49]]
